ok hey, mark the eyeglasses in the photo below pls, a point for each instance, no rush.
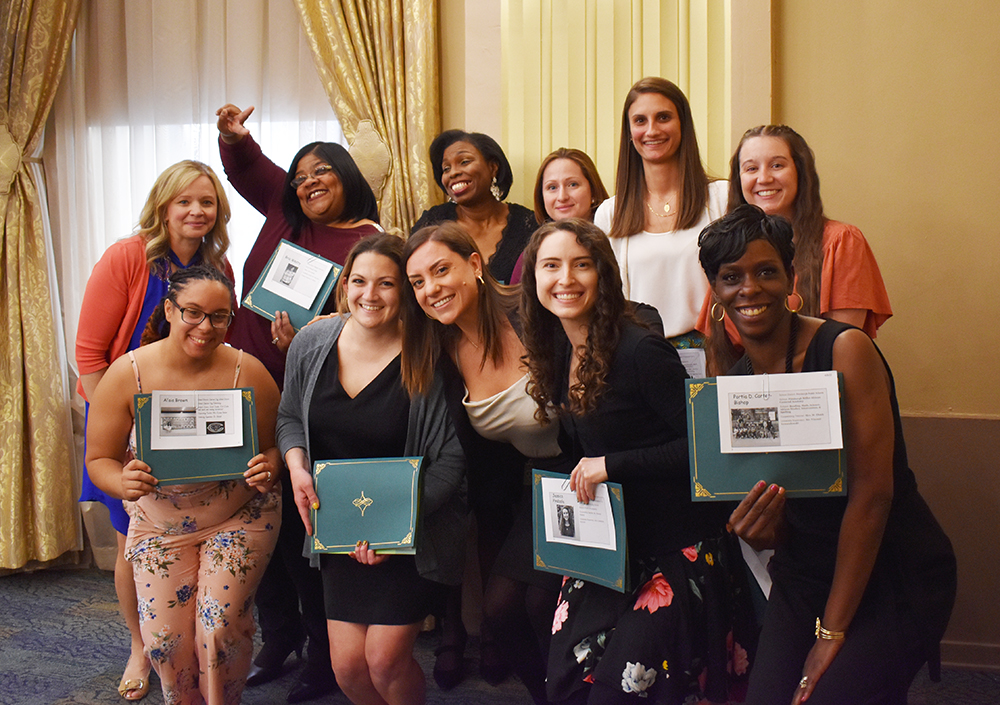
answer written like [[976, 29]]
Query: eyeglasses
[[316, 173], [194, 317]]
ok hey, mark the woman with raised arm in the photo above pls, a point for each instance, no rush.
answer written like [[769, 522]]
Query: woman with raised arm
[[862, 586], [663, 198], [837, 276], [460, 322], [619, 391], [344, 399], [323, 204], [474, 174], [198, 550], [183, 223]]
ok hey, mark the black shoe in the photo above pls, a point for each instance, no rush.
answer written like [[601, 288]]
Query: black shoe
[[314, 682], [270, 662], [449, 666], [493, 667]]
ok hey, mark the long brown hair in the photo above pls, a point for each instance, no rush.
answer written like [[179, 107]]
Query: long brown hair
[[543, 335], [630, 180], [808, 219], [153, 219], [598, 194], [385, 244], [423, 337]]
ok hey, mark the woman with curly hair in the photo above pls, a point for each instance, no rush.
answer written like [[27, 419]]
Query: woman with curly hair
[[458, 320], [619, 391]]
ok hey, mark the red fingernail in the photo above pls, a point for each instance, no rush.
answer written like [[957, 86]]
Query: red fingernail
[[773, 488]]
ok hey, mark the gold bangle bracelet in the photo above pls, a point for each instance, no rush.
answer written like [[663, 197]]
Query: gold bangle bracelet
[[830, 635]]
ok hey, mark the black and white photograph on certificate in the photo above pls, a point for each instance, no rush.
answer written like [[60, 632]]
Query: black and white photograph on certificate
[[569, 521], [777, 413], [296, 275], [187, 420]]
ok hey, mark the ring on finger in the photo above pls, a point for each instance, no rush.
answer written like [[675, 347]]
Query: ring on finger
[[804, 682]]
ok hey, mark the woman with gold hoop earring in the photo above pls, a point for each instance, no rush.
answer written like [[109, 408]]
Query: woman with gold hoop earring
[[836, 275]]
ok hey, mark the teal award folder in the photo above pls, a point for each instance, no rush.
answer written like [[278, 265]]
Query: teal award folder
[[372, 499], [177, 466], [264, 302], [595, 565], [718, 476]]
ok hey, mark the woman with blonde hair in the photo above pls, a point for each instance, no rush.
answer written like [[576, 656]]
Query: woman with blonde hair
[[183, 223]]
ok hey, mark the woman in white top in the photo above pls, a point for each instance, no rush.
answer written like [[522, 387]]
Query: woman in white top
[[663, 199]]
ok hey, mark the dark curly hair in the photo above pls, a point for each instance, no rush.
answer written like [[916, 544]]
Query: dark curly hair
[[543, 334], [423, 337], [359, 199], [158, 327], [487, 146]]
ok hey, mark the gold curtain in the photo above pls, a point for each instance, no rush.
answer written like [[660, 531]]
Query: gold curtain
[[378, 61], [568, 64], [38, 515]]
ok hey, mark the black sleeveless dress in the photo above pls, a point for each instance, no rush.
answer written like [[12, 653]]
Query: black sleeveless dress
[[905, 607]]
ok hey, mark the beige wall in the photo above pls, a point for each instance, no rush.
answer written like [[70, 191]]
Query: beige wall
[[899, 101]]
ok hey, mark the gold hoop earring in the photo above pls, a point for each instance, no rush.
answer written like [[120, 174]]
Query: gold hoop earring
[[479, 277], [711, 312], [789, 308]]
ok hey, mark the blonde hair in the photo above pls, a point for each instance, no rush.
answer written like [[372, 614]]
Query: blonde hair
[[153, 219]]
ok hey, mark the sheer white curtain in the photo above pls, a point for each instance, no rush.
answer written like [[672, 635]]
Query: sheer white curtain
[[140, 92]]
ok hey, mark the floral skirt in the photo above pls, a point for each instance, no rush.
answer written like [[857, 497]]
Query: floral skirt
[[683, 633]]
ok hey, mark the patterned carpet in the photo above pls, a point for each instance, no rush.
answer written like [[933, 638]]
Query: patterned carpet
[[62, 641]]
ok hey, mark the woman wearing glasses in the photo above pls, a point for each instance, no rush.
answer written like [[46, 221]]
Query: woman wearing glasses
[[198, 550], [323, 204], [183, 223]]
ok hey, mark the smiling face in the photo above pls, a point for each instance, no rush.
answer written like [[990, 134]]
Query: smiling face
[[566, 279], [204, 296], [753, 290], [768, 175], [465, 174], [372, 289], [191, 214], [566, 192], [444, 283], [321, 197], [655, 127]]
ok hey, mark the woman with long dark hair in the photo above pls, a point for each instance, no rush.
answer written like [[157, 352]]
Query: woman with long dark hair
[[459, 321], [837, 276], [619, 391]]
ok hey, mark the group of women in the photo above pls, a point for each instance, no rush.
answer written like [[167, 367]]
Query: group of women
[[578, 368]]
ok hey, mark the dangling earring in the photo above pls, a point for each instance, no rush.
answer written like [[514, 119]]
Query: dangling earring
[[480, 278], [451, 199], [711, 312], [799, 307], [494, 189]]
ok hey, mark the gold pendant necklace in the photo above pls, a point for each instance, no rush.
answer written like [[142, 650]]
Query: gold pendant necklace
[[664, 214]]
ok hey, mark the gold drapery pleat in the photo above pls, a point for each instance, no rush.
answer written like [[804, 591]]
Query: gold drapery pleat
[[568, 64], [378, 61], [38, 514]]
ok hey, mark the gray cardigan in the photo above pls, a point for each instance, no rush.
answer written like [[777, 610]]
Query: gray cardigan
[[441, 529]]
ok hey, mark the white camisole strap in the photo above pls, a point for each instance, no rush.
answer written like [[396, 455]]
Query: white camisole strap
[[138, 383]]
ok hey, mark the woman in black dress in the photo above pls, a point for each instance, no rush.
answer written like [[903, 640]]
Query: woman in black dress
[[344, 398], [620, 393], [862, 586], [474, 174]]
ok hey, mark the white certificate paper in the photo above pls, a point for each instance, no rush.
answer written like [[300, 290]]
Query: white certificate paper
[[784, 412], [189, 420], [296, 275], [569, 521], [693, 360]]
